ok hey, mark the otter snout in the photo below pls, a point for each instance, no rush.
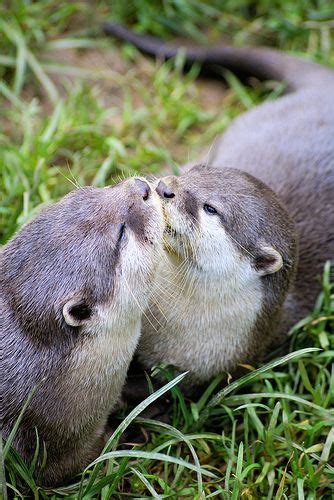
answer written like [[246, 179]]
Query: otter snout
[[164, 191]]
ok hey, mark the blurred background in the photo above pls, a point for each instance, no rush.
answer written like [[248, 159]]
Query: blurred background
[[79, 108]]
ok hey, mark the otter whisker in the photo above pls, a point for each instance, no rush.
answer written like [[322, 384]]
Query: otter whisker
[[241, 246], [207, 156], [142, 310], [73, 182]]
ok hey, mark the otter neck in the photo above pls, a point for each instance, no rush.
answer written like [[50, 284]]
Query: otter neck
[[219, 312], [230, 289]]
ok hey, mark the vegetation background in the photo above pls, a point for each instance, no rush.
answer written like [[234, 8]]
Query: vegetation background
[[78, 108]]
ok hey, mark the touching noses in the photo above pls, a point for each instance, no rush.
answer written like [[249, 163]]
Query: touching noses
[[164, 191], [143, 188]]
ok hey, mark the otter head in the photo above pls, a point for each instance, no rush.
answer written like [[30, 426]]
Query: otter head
[[85, 263], [226, 223]]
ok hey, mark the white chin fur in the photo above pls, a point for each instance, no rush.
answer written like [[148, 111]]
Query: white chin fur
[[212, 307]]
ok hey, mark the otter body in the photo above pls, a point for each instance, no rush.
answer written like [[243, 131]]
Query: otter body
[[289, 145], [224, 313], [70, 284]]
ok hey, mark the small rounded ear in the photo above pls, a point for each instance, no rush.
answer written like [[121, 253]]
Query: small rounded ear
[[268, 261], [76, 312]]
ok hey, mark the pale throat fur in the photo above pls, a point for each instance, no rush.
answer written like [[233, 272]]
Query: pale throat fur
[[207, 302]]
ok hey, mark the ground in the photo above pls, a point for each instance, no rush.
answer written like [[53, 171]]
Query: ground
[[78, 108]]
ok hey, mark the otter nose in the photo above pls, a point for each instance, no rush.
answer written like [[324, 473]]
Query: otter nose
[[164, 191], [143, 188]]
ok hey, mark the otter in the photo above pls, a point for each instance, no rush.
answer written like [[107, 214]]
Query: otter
[[235, 220], [73, 283], [232, 251]]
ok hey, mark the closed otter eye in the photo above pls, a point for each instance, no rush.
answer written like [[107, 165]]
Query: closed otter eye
[[209, 209], [121, 234]]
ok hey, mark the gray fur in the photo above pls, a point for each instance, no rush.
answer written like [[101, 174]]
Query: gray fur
[[73, 250], [287, 144]]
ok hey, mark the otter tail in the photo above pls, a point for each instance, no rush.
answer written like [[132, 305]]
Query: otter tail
[[263, 63]]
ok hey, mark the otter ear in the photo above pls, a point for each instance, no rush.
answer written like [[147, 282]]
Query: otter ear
[[268, 261], [76, 312]]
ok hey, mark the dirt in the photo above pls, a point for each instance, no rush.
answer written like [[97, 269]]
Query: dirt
[[106, 69]]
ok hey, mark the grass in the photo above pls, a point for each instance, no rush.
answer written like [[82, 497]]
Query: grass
[[267, 435]]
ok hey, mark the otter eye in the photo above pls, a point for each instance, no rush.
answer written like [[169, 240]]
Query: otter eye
[[209, 209], [121, 234]]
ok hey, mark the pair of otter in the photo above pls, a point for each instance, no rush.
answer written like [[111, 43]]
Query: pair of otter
[[74, 281]]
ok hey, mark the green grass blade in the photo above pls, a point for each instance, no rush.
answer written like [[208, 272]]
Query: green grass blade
[[17, 423], [182, 437], [281, 395], [40, 74], [327, 446], [113, 440], [146, 483], [254, 374], [3, 487], [150, 456], [8, 94]]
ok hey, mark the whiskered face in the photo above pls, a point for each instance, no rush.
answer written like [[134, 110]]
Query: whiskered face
[[223, 219], [91, 255], [138, 213]]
